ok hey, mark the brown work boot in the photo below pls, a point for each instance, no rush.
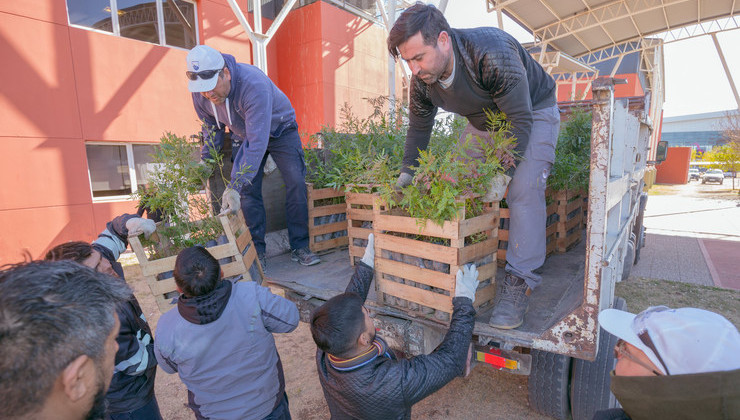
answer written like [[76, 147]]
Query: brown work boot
[[511, 302]]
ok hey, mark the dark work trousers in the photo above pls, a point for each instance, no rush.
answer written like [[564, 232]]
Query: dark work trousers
[[287, 152], [216, 185], [148, 412], [526, 196], [282, 411]]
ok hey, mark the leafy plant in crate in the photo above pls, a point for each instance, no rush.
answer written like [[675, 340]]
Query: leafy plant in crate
[[448, 179], [441, 237], [176, 181], [175, 185], [573, 153]]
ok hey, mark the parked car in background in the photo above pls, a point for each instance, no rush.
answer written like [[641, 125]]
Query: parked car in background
[[713, 175], [694, 174]]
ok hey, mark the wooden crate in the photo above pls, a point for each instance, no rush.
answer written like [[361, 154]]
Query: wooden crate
[[418, 277], [327, 219], [236, 257], [503, 232], [570, 223], [359, 219]]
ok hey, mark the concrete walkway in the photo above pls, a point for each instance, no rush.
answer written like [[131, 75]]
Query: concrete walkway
[[692, 240]]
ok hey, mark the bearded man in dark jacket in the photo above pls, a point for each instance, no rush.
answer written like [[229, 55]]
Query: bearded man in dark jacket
[[361, 376], [469, 72]]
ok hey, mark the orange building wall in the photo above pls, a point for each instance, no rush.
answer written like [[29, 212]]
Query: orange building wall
[[71, 85], [328, 57], [633, 87], [675, 169]]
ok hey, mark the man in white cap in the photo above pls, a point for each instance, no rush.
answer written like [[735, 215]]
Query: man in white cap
[[674, 364], [262, 122]]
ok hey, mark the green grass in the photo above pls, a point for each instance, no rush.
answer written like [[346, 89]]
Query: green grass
[[641, 293]]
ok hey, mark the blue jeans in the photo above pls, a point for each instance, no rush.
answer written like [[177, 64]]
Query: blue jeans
[[148, 412], [287, 152]]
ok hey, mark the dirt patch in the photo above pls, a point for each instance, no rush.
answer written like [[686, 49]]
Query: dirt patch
[[641, 293]]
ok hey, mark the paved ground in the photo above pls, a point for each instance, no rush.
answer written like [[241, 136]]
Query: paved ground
[[693, 235]]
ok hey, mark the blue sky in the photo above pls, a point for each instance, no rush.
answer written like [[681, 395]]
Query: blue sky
[[694, 78]]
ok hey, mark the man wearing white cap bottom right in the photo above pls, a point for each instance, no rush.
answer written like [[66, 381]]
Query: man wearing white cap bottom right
[[673, 364]]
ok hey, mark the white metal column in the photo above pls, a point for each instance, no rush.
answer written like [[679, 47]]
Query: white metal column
[[727, 70], [260, 40]]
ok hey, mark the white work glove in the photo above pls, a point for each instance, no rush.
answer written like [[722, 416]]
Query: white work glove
[[369, 257], [497, 190], [136, 226], [403, 180], [230, 202], [467, 282]]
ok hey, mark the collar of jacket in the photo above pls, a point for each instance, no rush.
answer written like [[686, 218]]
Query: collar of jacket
[[207, 308], [379, 348]]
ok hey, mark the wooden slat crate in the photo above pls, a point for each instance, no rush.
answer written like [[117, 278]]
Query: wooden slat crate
[[327, 219], [359, 219], [503, 232], [570, 223], [418, 277], [236, 256]]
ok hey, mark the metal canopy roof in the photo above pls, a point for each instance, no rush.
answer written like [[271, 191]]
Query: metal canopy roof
[[582, 27]]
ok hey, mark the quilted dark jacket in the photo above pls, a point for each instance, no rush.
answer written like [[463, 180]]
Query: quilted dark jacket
[[386, 388], [503, 77]]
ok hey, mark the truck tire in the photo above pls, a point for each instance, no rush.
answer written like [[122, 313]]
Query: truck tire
[[591, 380], [548, 384], [629, 257]]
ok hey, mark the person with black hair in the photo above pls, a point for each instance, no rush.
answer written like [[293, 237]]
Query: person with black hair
[[58, 329], [219, 340], [470, 72], [360, 375], [131, 392]]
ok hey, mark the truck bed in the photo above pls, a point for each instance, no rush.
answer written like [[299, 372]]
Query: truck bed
[[560, 292]]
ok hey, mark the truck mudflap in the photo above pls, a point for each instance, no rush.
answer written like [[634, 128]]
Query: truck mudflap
[[510, 361]]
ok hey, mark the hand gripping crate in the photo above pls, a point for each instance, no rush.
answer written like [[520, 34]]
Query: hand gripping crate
[[327, 219], [417, 276], [360, 204], [570, 223], [236, 255]]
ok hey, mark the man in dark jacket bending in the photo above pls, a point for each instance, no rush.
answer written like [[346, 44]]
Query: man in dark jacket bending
[[360, 374], [468, 71]]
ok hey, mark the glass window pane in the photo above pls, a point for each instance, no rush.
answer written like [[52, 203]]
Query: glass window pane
[[108, 167], [143, 162], [179, 23], [138, 20], [94, 14]]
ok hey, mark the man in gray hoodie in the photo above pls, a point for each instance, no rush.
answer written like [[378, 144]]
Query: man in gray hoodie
[[262, 122], [219, 340]]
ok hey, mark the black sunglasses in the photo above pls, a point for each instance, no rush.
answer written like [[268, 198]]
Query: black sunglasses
[[205, 74]]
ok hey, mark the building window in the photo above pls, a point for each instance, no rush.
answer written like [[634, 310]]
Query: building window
[[118, 170], [162, 22]]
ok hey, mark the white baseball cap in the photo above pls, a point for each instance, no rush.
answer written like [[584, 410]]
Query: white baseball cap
[[203, 58], [678, 341]]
